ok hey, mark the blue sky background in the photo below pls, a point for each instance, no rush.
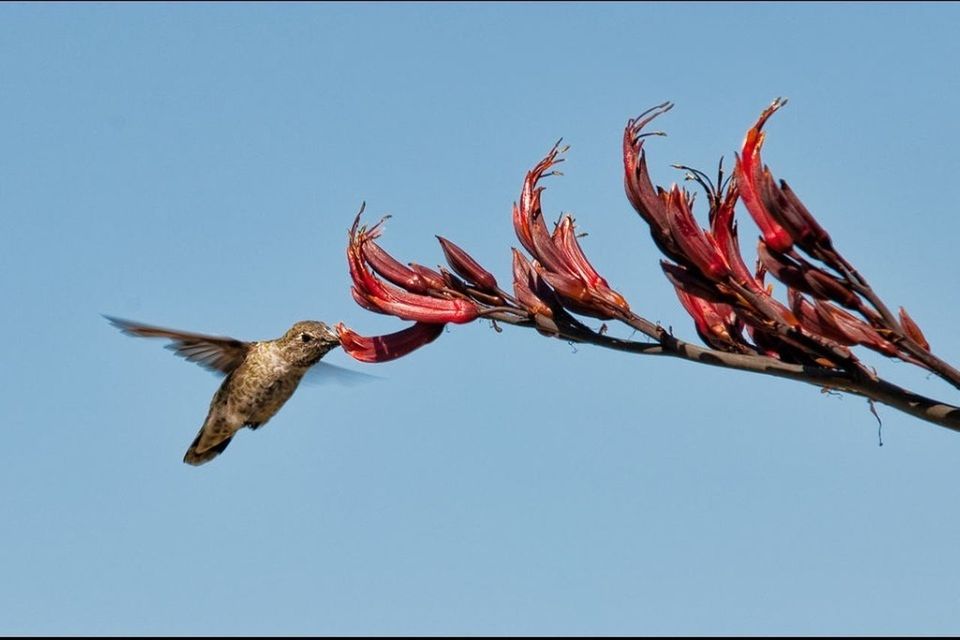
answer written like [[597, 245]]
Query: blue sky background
[[197, 166]]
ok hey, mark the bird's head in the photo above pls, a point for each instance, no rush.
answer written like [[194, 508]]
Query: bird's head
[[305, 343]]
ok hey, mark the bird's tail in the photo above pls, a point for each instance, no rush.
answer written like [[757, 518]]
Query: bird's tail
[[197, 458]]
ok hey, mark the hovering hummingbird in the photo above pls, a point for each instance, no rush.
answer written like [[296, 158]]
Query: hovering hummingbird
[[261, 376]]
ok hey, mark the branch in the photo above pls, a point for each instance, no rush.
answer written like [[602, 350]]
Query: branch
[[876, 389]]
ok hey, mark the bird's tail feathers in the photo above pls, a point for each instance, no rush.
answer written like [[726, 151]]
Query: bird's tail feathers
[[197, 458]]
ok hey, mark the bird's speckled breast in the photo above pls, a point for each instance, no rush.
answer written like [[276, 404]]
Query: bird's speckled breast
[[263, 383]]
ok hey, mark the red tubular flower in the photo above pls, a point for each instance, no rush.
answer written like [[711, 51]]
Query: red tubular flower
[[699, 249], [722, 224], [697, 308], [912, 330], [724, 231], [715, 323], [529, 224], [781, 267], [527, 214], [433, 280], [452, 282], [786, 208], [690, 281], [636, 180], [799, 274], [527, 290], [394, 301], [522, 228], [643, 196], [363, 302], [863, 333], [834, 323], [565, 238], [388, 267], [467, 267], [818, 321], [390, 346], [562, 263], [749, 178], [573, 295], [825, 286]]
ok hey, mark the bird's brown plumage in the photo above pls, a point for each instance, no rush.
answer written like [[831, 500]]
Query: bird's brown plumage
[[261, 376]]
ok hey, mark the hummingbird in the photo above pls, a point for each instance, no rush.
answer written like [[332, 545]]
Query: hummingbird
[[260, 376]]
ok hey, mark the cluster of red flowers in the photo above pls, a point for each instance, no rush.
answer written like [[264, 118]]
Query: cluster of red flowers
[[724, 297], [556, 279], [829, 307]]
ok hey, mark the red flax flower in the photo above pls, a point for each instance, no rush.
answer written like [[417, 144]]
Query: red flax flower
[[646, 199], [724, 230], [794, 272], [535, 296], [391, 269], [558, 257], [699, 248], [410, 299], [669, 212], [468, 268], [786, 208], [371, 293], [716, 323], [750, 177], [711, 278], [824, 319], [390, 346], [782, 218]]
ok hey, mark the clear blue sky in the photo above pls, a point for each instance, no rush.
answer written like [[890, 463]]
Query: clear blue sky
[[197, 166]]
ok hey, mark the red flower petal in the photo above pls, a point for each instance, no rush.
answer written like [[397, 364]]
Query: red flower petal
[[390, 346]]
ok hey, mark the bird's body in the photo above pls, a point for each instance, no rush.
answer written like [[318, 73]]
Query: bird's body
[[261, 376], [248, 397]]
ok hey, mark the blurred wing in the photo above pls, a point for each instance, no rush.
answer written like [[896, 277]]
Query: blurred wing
[[216, 353], [325, 373]]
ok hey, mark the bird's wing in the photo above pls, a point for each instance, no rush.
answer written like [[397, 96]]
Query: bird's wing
[[216, 353], [327, 373]]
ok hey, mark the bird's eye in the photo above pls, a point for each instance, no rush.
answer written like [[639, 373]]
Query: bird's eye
[[306, 337]]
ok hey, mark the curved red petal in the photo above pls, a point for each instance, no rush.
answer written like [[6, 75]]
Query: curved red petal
[[387, 347]]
